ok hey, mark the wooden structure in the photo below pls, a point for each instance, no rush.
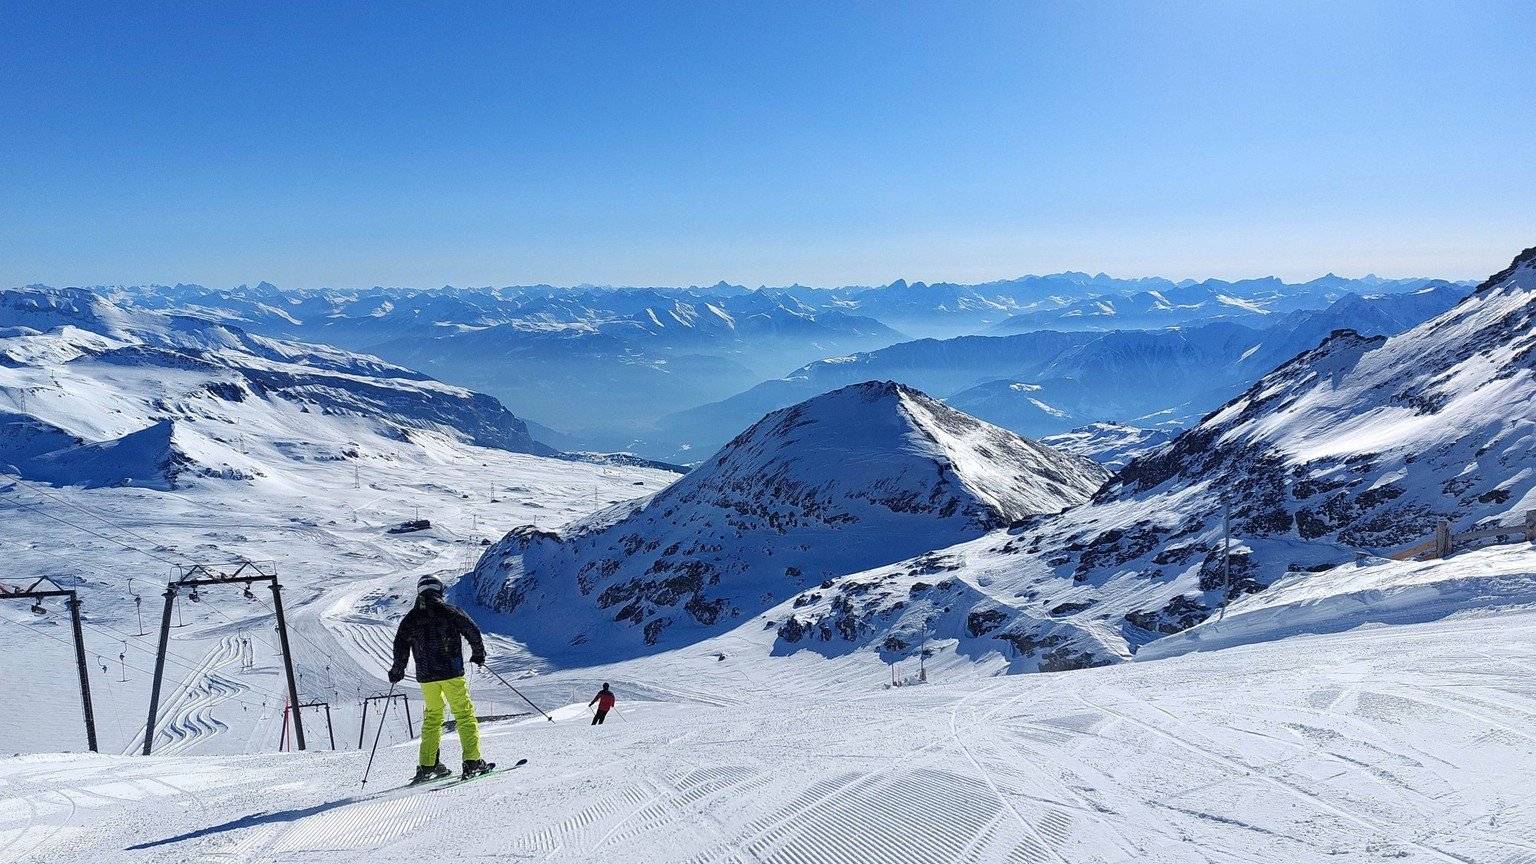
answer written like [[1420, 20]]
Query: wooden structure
[[1445, 541]]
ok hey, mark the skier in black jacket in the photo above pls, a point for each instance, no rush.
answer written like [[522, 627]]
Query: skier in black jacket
[[431, 632]]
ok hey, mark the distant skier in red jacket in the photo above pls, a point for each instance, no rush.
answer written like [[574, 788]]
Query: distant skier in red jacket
[[604, 701]]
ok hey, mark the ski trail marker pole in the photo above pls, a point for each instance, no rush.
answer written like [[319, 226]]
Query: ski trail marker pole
[[518, 692], [388, 699]]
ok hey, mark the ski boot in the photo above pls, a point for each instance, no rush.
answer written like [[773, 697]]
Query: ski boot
[[476, 767], [430, 772]]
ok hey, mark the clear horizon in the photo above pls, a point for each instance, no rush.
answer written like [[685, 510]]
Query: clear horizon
[[828, 145], [248, 283]]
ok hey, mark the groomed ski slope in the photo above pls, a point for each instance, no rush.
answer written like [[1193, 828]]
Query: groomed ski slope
[[1407, 742], [343, 575]]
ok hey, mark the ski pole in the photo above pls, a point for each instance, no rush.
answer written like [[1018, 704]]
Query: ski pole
[[387, 699], [518, 692]]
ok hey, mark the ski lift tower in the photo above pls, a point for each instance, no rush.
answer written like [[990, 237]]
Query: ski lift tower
[[72, 601], [237, 573]]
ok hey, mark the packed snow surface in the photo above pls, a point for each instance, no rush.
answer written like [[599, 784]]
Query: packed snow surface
[[1398, 743]]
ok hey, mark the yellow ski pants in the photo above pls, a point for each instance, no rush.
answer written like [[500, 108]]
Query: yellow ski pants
[[455, 692]]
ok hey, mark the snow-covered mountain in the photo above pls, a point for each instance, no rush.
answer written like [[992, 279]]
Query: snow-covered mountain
[[98, 395], [1318, 747], [1480, 582], [132, 441], [1109, 444], [1250, 301], [1360, 445], [604, 365], [1079, 301], [1048, 382], [871, 473], [600, 363]]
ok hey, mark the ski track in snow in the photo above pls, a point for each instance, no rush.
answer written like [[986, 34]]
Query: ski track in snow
[[1273, 774], [1350, 747], [187, 717], [371, 644]]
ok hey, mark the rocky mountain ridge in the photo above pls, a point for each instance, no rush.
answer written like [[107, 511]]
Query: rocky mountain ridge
[[866, 474]]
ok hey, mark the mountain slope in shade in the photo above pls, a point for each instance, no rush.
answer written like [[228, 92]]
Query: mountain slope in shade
[[1358, 446], [150, 458], [868, 474]]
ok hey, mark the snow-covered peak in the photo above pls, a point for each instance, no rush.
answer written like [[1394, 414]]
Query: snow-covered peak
[[864, 475], [1517, 276], [1456, 383], [1360, 445], [880, 429]]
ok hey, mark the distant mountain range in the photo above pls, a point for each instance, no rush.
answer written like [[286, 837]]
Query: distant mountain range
[[595, 363], [1250, 301], [1048, 382], [639, 369], [93, 394], [1078, 301], [1067, 300]]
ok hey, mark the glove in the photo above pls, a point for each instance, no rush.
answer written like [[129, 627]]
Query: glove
[[396, 676], [477, 659]]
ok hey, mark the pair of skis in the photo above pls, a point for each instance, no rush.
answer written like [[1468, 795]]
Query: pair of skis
[[451, 780], [435, 784]]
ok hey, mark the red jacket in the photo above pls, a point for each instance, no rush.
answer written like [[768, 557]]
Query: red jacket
[[604, 700]]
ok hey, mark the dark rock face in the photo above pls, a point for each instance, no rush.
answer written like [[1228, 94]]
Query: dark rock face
[[1180, 613], [984, 621]]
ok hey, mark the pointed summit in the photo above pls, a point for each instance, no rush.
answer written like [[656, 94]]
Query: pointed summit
[[986, 474], [855, 478], [1362, 444]]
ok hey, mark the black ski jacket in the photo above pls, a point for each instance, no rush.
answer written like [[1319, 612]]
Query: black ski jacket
[[430, 632]]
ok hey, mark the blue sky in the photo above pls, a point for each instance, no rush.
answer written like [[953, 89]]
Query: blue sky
[[820, 142]]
